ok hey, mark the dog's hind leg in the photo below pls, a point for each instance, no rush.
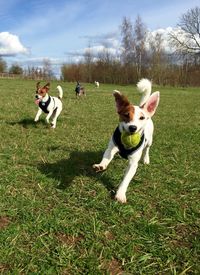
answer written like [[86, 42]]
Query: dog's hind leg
[[107, 157], [48, 116], [55, 116]]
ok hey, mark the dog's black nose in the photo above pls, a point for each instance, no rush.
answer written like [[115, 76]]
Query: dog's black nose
[[36, 96], [132, 128]]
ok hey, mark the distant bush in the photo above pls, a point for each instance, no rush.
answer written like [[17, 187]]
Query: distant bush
[[15, 69]]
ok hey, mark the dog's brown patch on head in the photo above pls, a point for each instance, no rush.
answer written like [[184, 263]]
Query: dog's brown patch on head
[[42, 91], [124, 108], [127, 113]]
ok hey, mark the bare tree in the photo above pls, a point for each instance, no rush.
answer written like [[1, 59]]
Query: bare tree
[[47, 69], [127, 41], [133, 44], [88, 59], [127, 55], [105, 63], [186, 38], [157, 57], [139, 39]]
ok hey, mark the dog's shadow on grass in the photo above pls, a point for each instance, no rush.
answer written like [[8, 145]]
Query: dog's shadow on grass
[[28, 123], [78, 164]]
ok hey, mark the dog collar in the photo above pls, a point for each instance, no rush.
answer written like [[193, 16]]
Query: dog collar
[[44, 105]]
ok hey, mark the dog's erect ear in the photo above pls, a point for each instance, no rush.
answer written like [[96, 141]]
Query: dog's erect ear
[[38, 85], [47, 86], [152, 103], [121, 100]]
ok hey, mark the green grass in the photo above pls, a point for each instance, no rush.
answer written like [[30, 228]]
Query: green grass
[[57, 216]]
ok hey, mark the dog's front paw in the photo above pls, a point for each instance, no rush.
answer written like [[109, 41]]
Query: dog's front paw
[[120, 197], [98, 167], [53, 126], [146, 160]]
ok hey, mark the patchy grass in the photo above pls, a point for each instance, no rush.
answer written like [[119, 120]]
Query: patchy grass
[[58, 216]]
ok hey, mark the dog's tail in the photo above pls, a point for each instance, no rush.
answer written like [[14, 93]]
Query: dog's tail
[[144, 86], [60, 90]]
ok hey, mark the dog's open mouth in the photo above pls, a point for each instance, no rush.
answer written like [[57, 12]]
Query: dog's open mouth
[[37, 101]]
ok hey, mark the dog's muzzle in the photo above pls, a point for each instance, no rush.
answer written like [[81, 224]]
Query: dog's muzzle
[[132, 129]]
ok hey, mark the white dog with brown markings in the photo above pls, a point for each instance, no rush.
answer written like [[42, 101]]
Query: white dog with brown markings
[[50, 105], [132, 119]]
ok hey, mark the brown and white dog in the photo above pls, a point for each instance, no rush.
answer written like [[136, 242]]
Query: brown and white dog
[[133, 119], [50, 105]]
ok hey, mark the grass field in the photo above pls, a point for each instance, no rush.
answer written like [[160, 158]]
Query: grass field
[[57, 216]]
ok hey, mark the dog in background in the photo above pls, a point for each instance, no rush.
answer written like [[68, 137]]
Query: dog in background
[[50, 105], [132, 119], [96, 84], [79, 90]]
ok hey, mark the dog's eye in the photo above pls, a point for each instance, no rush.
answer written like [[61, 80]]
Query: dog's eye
[[142, 117]]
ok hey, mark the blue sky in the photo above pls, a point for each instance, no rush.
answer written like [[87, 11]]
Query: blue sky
[[31, 30]]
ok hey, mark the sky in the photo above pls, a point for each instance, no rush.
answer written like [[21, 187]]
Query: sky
[[32, 30]]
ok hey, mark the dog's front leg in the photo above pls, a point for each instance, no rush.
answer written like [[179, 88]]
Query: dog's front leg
[[146, 158], [107, 157], [130, 172], [39, 112]]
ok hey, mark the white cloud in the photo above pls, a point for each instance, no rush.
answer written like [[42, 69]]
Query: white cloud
[[184, 38], [98, 44], [165, 36], [190, 40], [10, 45], [37, 61]]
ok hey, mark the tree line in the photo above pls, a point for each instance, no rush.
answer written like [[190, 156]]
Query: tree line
[[43, 72]]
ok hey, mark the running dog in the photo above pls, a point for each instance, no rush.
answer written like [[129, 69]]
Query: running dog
[[96, 83], [132, 120], [50, 105], [79, 90]]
